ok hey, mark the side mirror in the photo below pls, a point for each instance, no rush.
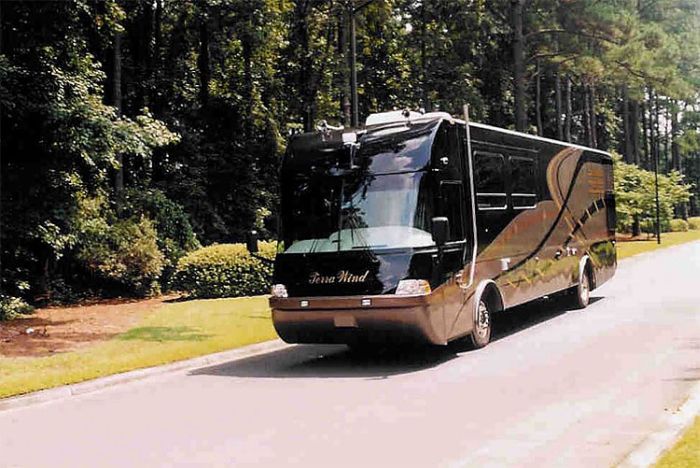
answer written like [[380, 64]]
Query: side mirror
[[441, 228], [251, 242]]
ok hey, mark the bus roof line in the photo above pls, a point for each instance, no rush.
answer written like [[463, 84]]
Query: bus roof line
[[534, 137], [443, 116]]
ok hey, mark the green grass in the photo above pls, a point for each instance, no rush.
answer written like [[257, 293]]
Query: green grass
[[172, 332], [183, 330], [628, 249], [686, 452]]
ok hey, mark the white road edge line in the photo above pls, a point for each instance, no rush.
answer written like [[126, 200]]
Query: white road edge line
[[650, 450], [100, 383]]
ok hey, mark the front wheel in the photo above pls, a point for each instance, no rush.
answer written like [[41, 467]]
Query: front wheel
[[481, 332]]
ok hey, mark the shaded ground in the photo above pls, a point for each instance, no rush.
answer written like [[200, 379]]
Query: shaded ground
[[59, 329]]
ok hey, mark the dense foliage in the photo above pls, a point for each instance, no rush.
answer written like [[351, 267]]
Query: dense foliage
[[135, 130], [225, 270], [636, 198]]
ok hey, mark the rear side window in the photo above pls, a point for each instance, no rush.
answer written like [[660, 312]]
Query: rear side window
[[523, 182], [489, 175]]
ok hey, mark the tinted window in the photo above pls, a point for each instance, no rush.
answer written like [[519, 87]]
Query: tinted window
[[523, 182], [452, 203], [356, 212], [446, 151], [523, 175], [490, 181], [489, 173], [396, 149]]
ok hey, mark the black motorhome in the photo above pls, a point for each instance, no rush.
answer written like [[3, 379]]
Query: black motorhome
[[421, 226]]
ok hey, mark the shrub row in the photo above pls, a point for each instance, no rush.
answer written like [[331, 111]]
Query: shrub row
[[224, 270], [678, 225], [673, 225], [694, 223]]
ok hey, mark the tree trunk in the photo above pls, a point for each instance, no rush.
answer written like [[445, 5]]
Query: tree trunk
[[557, 104], [675, 130], [634, 128], [146, 36], [117, 103], [519, 65], [203, 62], [626, 126], [157, 62], [594, 119], [344, 67], [587, 134], [569, 109], [425, 96], [247, 52], [652, 131], [657, 130], [668, 158], [538, 100], [646, 138]]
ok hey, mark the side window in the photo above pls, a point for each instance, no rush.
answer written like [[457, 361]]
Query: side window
[[490, 181], [446, 151], [452, 203], [523, 182]]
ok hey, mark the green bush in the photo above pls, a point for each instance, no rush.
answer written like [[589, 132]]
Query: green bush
[[11, 307], [175, 234], [694, 224], [124, 255], [678, 225], [225, 270]]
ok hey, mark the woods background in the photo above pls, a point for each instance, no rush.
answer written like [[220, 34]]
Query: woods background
[[134, 131]]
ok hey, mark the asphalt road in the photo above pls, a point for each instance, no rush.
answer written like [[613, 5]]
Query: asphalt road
[[557, 388]]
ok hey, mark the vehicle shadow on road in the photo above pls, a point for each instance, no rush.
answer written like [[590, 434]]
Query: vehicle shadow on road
[[333, 361]]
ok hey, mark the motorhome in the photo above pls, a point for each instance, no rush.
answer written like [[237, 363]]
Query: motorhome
[[423, 226]]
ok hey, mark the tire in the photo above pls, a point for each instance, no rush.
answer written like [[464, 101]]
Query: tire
[[581, 293], [483, 320]]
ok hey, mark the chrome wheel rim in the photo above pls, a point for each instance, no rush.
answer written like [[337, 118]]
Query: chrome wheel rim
[[483, 320], [585, 289]]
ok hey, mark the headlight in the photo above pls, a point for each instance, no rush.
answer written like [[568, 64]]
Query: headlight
[[279, 290], [412, 287]]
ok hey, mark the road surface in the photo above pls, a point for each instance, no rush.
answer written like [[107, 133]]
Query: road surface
[[557, 388]]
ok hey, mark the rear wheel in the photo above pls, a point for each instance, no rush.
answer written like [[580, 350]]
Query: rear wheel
[[581, 294], [481, 332]]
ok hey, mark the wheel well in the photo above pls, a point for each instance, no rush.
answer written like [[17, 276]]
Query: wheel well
[[492, 297]]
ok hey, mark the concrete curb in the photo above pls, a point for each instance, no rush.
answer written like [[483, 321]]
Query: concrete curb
[[66, 391], [656, 444]]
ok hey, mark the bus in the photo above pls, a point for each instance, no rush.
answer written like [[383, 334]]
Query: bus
[[421, 227]]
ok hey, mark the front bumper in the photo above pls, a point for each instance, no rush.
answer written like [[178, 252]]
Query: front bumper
[[348, 319]]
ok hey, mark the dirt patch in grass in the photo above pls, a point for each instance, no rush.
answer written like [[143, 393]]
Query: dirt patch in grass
[[59, 329]]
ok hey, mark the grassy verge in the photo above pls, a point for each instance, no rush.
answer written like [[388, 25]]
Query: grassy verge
[[627, 249], [184, 330], [172, 332], [686, 452]]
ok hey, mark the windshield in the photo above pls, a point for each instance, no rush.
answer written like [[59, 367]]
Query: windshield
[[356, 212]]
